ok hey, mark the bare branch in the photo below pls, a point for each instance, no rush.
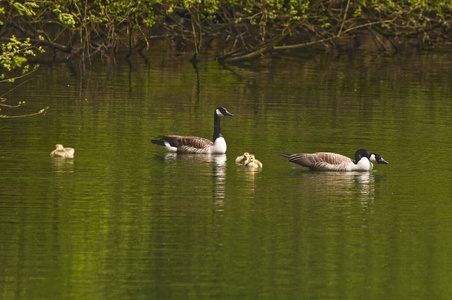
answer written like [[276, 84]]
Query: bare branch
[[24, 116]]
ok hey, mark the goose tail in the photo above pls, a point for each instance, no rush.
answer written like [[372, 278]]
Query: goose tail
[[167, 145]]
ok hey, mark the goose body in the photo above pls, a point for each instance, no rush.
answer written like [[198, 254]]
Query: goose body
[[193, 144], [327, 161], [253, 163], [60, 151]]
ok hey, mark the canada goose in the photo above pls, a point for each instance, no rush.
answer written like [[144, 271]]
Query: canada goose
[[60, 151], [242, 159], [253, 162], [326, 161], [193, 144]]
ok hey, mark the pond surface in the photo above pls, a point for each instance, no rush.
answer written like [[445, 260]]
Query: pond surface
[[125, 220]]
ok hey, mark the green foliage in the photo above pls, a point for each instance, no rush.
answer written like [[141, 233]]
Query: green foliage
[[65, 18], [26, 8], [84, 27], [14, 57], [13, 60]]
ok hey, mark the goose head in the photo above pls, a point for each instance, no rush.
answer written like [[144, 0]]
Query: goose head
[[59, 147], [377, 159], [372, 157], [222, 112]]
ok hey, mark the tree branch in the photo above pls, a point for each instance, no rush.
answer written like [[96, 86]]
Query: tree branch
[[27, 115]]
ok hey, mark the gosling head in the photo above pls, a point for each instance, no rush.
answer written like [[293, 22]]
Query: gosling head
[[243, 159], [253, 162]]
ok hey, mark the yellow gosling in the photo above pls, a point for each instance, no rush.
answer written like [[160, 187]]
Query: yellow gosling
[[242, 159], [60, 151], [253, 163]]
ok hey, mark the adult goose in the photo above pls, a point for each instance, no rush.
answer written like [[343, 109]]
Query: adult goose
[[193, 144], [60, 151], [326, 161]]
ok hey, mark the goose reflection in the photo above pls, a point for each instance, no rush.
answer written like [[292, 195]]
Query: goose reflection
[[62, 165], [249, 176], [216, 159], [213, 165], [347, 183]]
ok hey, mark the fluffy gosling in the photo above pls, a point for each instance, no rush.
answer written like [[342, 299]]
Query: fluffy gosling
[[242, 159], [253, 163], [60, 151]]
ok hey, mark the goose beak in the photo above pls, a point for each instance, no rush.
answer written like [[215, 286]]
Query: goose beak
[[377, 159], [228, 114], [382, 161]]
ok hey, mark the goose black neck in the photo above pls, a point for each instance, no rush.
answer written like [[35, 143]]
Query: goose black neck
[[360, 153], [216, 127]]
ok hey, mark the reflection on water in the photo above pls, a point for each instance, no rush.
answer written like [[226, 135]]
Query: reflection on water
[[219, 179], [216, 159], [361, 184], [63, 165], [249, 176], [215, 167], [124, 220]]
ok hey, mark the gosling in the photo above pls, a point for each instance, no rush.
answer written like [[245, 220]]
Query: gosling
[[253, 163], [242, 159], [60, 151]]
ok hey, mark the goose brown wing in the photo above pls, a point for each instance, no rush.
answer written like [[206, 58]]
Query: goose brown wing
[[326, 161], [187, 142], [318, 161], [332, 158]]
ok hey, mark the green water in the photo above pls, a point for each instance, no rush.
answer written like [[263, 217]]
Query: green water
[[124, 220]]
